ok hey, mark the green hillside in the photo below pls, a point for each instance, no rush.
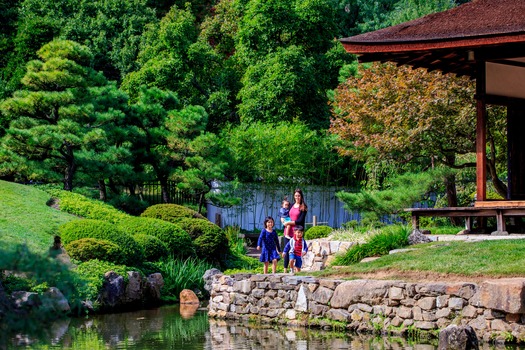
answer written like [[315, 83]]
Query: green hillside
[[25, 217]]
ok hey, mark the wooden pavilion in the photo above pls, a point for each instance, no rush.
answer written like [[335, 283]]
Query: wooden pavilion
[[482, 39]]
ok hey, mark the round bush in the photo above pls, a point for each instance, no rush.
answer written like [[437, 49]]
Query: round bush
[[154, 248], [209, 239], [316, 232], [170, 212], [178, 242], [85, 249], [87, 228]]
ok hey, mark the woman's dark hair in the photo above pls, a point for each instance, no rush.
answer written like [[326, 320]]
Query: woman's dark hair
[[302, 203], [268, 218]]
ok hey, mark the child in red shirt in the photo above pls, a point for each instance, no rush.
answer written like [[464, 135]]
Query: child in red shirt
[[296, 248]]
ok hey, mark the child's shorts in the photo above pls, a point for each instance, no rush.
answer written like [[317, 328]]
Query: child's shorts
[[298, 260]]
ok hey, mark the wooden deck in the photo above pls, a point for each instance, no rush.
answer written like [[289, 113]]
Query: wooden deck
[[498, 209]]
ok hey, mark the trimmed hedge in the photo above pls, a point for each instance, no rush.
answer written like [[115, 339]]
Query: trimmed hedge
[[179, 243], [209, 239], [85, 249], [88, 228], [154, 248], [171, 212], [80, 205], [316, 232]]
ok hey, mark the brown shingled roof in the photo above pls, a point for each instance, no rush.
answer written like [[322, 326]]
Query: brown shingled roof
[[491, 29], [473, 19]]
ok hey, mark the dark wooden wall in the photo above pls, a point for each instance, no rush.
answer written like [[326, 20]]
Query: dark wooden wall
[[516, 150]]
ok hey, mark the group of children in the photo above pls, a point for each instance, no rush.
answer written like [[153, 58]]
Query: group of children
[[268, 241]]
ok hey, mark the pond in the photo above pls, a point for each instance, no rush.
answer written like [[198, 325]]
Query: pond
[[173, 327]]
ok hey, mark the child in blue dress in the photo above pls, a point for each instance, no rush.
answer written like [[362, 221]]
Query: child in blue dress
[[269, 243]]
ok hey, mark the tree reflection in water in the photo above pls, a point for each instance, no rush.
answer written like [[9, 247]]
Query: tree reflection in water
[[173, 327]]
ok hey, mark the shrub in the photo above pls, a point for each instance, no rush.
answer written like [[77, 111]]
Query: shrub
[[129, 204], [79, 205], [171, 212], [178, 242], [92, 273], [87, 228], [209, 239], [85, 249], [393, 237], [154, 248], [318, 232]]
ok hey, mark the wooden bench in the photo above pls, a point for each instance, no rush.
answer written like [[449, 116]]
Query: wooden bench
[[498, 209]]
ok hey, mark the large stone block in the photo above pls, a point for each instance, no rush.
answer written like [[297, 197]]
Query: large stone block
[[322, 295], [338, 315], [504, 295], [454, 337], [301, 304], [367, 291]]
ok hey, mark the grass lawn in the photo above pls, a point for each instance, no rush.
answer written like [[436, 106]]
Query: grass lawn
[[458, 260], [25, 217]]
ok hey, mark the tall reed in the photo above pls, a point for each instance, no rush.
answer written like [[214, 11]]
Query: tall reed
[[181, 274]]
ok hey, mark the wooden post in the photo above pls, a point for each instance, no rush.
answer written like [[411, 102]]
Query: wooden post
[[481, 135], [218, 219], [415, 221]]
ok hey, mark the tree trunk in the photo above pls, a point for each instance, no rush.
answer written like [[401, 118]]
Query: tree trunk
[[201, 202], [499, 186], [113, 186], [71, 167], [164, 190], [131, 189], [102, 192]]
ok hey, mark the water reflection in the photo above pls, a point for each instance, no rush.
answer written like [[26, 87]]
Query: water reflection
[[225, 335], [174, 327]]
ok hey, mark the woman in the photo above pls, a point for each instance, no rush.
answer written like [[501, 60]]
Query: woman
[[297, 217]]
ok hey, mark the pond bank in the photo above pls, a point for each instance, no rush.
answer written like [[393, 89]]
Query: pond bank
[[495, 309]]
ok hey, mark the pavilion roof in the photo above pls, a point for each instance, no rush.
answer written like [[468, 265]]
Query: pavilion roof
[[450, 41]]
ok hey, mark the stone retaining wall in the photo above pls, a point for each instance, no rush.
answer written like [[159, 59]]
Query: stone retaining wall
[[494, 309], [321, 252]]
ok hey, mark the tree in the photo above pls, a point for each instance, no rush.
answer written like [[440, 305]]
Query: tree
[[271, 152], [408, 116], [149, 115], [172, 58], [111, 29], [56, 116], [168, 137], [105, 151], [205, 163], [291, 60]]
